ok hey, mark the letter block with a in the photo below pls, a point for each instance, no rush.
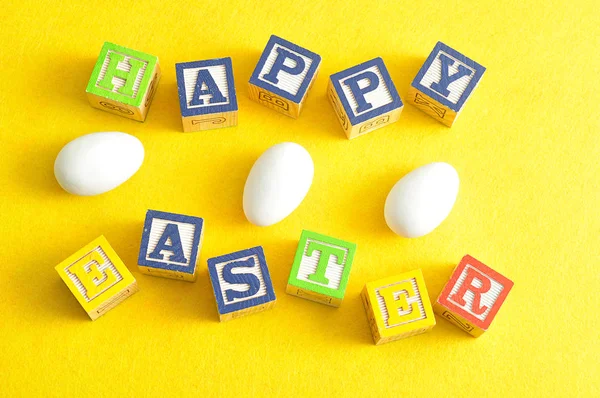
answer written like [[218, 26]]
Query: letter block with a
[[207, 96], [123, 81], [472, 297], [284, 74], [321, 268], [398, 307], [444, 83], [170, 245], [364, 98], [241, 283], [97, 277]]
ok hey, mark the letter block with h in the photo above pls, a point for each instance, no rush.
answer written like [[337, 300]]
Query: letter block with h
[[207, 96], [284, 74], [170, 245], [97, 277], [444, 83], [241, 283], [321, 268], [123, 81], [398, 307], [473, 296]]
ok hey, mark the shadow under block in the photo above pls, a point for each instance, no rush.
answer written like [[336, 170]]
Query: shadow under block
[[241, 283], [398, 307], [321, 268], [283, 76], [364, 98], [123, 81], [207, 97], [170, 245], [444, 83], [472, 297], [97, 277]]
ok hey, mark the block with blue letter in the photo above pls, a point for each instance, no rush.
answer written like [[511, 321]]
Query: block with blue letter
[[364, 98], [207, 96], [444, 83], [241, 283], [284, 74], [170, 245]]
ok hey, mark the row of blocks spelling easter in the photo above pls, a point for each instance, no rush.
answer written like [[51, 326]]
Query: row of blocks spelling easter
[[363, 97]]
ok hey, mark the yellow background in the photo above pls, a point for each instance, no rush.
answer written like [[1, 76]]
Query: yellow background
[[526, 147]]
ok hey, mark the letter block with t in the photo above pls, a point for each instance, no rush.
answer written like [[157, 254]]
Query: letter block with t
[[444, 83], [97, 277], [284, 74], [206, 94], [123, 81], [241, 283], [170, 245], [473, 296], [364, 98], [321, 268], [398, 307]]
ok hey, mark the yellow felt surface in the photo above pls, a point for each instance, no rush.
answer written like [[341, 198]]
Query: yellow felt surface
[[526, 146]]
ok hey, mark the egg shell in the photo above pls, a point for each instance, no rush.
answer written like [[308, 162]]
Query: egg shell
[[98, 162], [277, 183], [421, 200]]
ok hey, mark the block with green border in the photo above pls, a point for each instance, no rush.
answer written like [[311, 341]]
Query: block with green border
[[321, 268], [123, 81]]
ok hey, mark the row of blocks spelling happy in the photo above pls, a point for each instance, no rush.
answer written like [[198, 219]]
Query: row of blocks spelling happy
[[363, 97]]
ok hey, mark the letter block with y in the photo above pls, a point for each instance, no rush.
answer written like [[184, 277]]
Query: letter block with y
[[321, 268], [241, 283], [97, 277], [444, 83], [207, 96], [398, 307], [123, 81], [473, 296], [284, 74], [170, 245]]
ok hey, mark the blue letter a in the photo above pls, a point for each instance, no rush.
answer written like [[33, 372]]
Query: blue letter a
[[278, 65], [205, 79], [236, 279], [442, 86], [359, 93], [171, 233]]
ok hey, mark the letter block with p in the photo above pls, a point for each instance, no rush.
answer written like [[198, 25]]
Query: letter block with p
[[473, 295], [123, 81], [97, 277]]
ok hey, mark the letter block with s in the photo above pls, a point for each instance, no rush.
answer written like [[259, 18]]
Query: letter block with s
[[241, 283], [444, 83], [284, 74], [123, 81], [97, 277]]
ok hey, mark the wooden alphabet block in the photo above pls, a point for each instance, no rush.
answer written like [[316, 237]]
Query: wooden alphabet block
[[473, 296], [241, 283], [364, 98], [97, 277], [170, 245], [207, 96], [444, 83], [398, 307], [123, 81], [321, 268], [284, 74]]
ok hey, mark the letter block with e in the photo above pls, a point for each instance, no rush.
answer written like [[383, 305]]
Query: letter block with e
[[321, 268], [123, 81], [170, 245], [284, 74], [473, 296], [398, 307], [97, 277], [241, 283], [364, 98], [444, 83]]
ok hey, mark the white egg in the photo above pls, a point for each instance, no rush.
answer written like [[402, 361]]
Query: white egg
[[277, 183], [96, 163], [421, 200]]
